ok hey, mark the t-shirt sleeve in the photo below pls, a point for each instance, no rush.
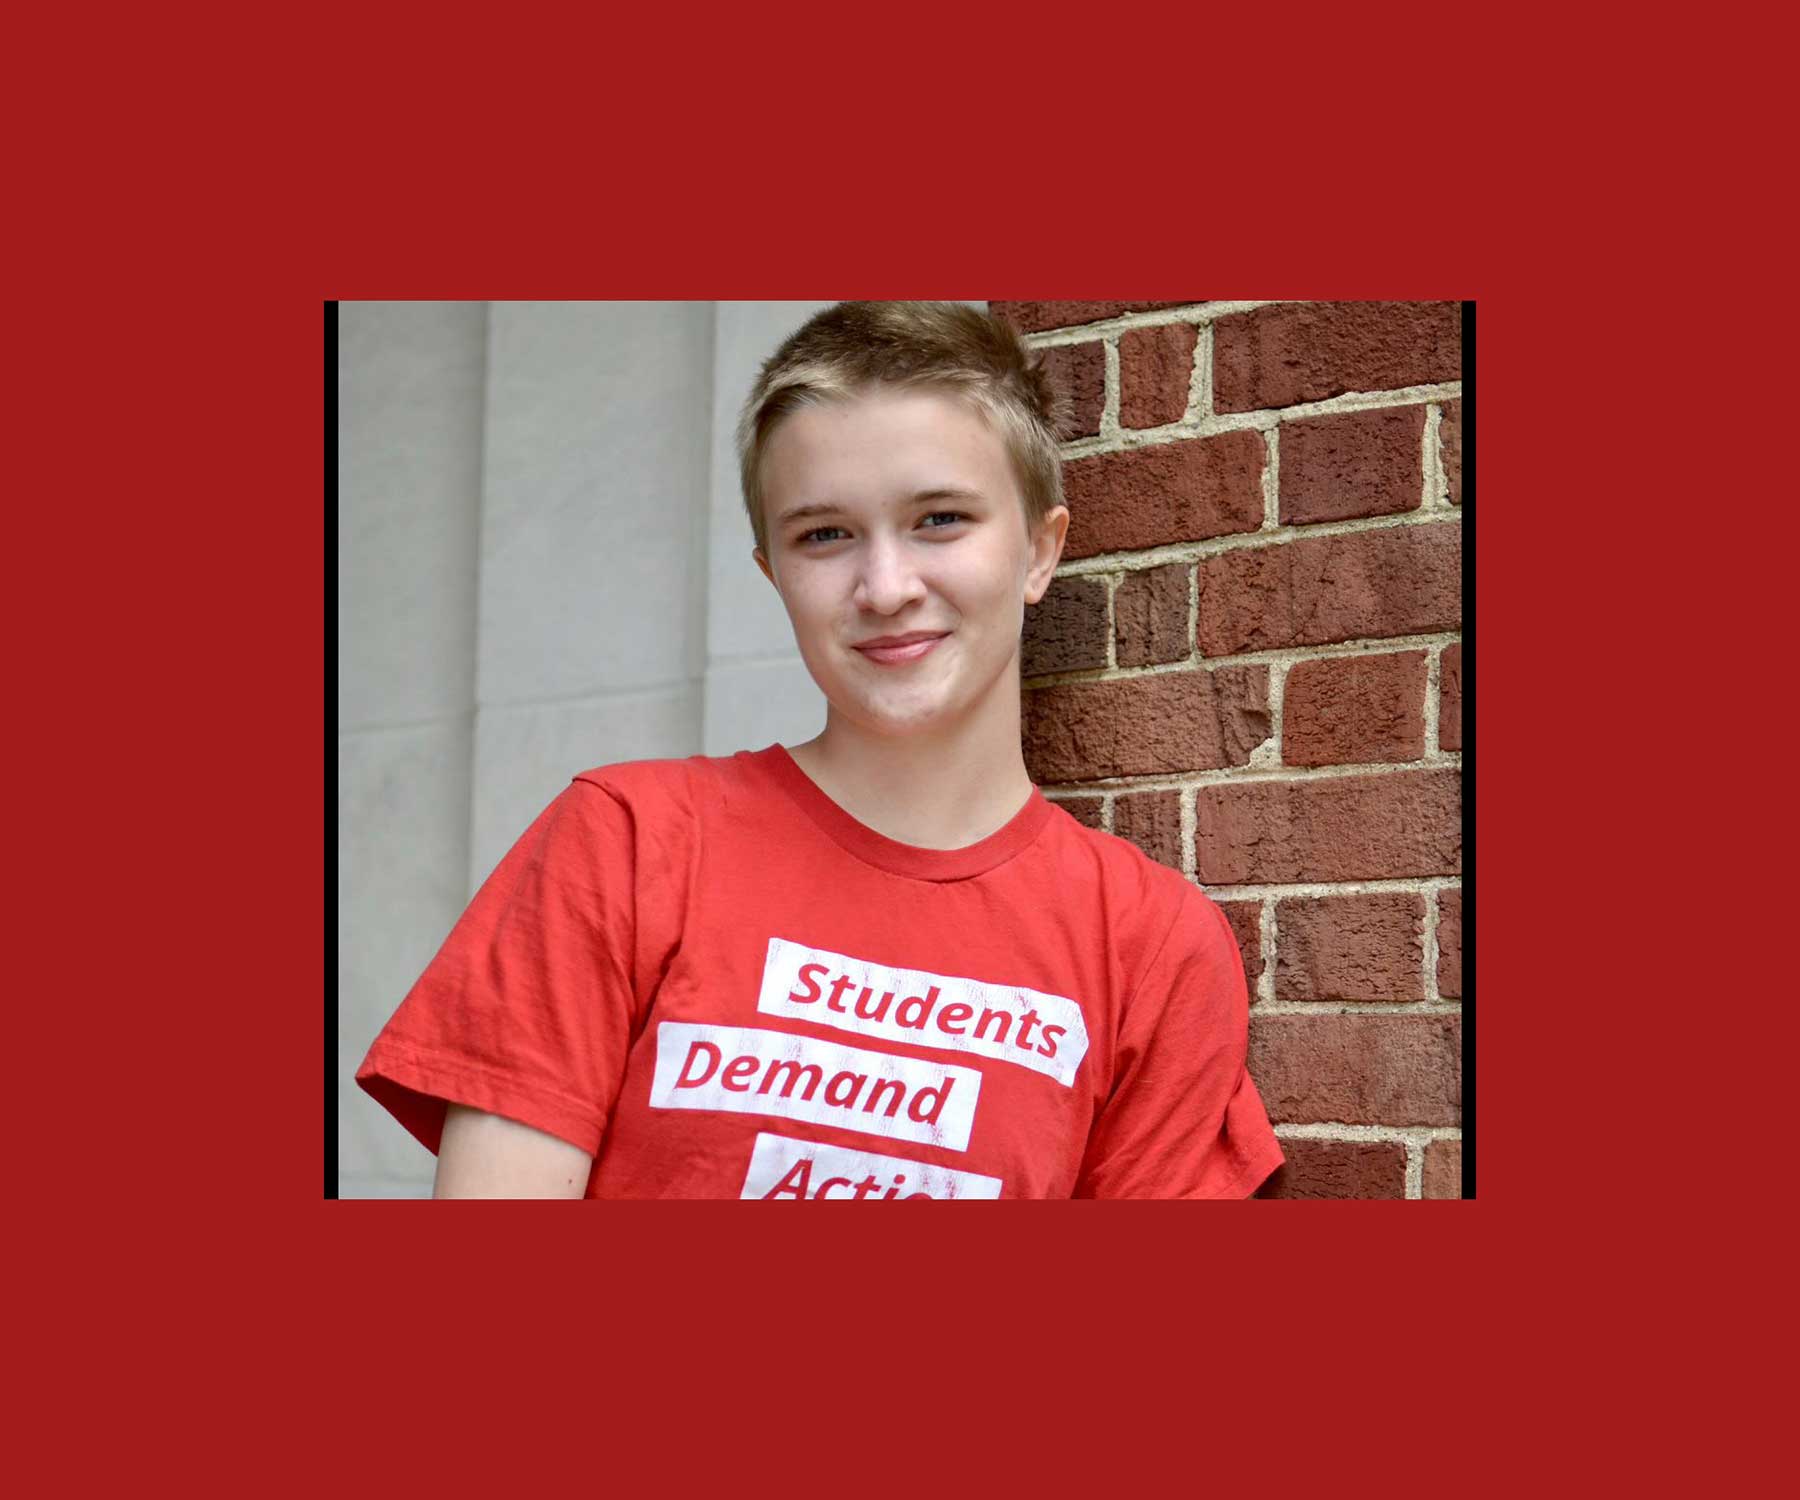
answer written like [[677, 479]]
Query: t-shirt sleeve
[[1183, 1119], [527, 1010]]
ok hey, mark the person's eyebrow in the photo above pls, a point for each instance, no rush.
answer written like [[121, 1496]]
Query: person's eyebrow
[[937, 492]]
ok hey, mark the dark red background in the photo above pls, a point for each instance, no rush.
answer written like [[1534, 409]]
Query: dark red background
[[183, 493]]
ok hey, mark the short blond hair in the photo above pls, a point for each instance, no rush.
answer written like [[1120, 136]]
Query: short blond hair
[[851, 347]]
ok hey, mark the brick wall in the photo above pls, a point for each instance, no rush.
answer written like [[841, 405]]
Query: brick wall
[[1249, 665]]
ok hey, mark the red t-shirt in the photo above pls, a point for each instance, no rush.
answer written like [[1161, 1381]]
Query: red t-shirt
[[713, 978]]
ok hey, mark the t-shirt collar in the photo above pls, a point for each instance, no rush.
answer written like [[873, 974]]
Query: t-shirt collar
[[890, 854]]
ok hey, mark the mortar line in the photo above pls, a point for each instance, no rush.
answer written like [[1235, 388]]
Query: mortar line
[[1415, 1170], [1133, 559], [1246, 775], [1333, 1130], [1430, 461], [1116, 439], [1203, 314], [1203, 372], [1193, 620], [1276, 890], [1279, 655], [1112, 621], [1271, 482], [1430, 943], [1196, 407], [1188, 820], [1106, 812], [1274, 1007], [1109, 408], [1267, 755], [1433, 677], [1271, 953]]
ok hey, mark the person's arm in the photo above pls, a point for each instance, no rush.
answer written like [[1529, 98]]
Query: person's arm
[[1183, 1118], [489, 1156]]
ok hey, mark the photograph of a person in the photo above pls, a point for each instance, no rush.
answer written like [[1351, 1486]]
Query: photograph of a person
[[900, 750]]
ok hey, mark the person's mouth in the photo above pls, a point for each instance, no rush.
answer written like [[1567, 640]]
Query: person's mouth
[[893, 650]]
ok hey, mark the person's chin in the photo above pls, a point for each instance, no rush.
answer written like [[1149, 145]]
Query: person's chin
[[900, 720]]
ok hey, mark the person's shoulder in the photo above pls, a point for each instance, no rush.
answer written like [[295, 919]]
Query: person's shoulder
[[1156, 898], [1120, 859], [683, 783]]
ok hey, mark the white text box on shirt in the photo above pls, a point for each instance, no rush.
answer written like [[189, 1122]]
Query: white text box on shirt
[[747, 1070], [782, 1167], [1046, 1033]]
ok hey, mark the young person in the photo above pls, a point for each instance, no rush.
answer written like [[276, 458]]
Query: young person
[[879, 964]]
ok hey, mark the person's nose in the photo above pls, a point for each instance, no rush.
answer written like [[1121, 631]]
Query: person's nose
[[889, 579]]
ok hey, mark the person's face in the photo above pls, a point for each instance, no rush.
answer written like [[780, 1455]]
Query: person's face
[[913, 523]]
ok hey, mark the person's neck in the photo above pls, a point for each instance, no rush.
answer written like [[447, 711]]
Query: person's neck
[[934, 791]]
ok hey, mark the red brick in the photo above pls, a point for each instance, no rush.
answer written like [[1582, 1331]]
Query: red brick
[[1358, 1070], [1150, 615], [1156, 367], [1169, 492], [1338, 1169], [1400, 580], [1079, 372], [1310, 351], [1039, 317], [1450, 448], [1362, 947], [1152, 821], [1443, 1170], [1245, 918], [1354, 710], [1065, 631], [1449, 937], [1141, 726], [1450, 698], [1358, 463], [1084, 810], [1386, 825]]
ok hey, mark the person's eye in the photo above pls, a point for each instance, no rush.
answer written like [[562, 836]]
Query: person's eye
[[815, 532], [950, 515]]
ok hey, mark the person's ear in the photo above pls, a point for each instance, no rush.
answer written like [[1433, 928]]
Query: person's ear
[[762, 561], [1046, 552]]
